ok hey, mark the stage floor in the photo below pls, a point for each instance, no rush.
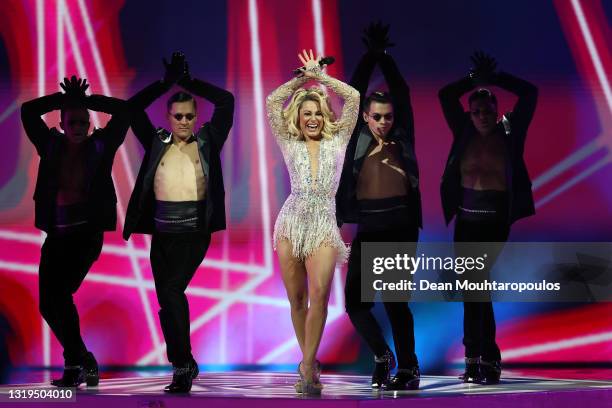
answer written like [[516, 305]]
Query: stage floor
[[259, 389]]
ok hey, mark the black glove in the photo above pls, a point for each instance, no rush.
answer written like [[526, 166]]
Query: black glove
[[376, 38], [74, 89], [186, 76], [484, 69], [175, 69]]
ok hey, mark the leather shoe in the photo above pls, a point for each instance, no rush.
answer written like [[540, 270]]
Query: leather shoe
[[491, 371], [472, 372], [92, 373], [182, 378], [405, 379], [382, 369], [73, 376]]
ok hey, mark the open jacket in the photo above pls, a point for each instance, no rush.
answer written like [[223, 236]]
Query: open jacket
[[210, 139], [347, 210], [102, 145], [513, 126]]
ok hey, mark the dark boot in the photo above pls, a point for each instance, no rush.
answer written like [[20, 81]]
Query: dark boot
[[182, 378], [472, 372], [72, 377], [382, 369], [90, 366], [405, 379], [491, 371]]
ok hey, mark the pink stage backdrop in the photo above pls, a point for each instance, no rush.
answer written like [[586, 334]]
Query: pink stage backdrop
[[239, 311]]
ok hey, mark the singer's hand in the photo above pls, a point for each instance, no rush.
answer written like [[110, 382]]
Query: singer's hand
[[310, 63]]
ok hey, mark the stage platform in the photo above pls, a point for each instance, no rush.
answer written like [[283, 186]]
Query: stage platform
[[255, 390]]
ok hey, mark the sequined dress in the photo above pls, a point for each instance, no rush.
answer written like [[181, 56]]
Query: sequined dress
[[308, 216]]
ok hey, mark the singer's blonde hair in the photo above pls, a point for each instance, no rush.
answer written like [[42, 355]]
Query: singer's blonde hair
[[292, 112]]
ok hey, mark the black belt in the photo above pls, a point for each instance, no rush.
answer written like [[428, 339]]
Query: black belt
[[385, 214], [372, 206], [71, 218], [483, 204], [179, 216]]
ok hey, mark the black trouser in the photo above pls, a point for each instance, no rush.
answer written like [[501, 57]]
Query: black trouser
[[64, 262], [478, 317], [174, 259], [390, 226]]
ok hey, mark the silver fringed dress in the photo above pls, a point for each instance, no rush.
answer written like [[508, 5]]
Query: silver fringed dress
[[308, 217]]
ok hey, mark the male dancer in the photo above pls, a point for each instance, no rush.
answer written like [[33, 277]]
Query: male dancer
[[486, 186], [179, 199], [75, 203], [379, 190]]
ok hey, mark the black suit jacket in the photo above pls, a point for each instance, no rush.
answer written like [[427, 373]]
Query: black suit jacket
[[102, 145], [513, 126], [402, 133], [210, 139]]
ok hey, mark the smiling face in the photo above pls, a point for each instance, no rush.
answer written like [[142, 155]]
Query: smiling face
[[182, 117], [379, 118], [311, 119], [483, 112], [75, 123]]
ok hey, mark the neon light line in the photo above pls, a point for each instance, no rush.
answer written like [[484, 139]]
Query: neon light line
[[575, 180], [102, 277], [130, 248], [40, 40], [318, 25], [567, 163], [260, 134], [61, 55], [228, 301], [558, 345], [588, 39], [9, 111], [291, 343]]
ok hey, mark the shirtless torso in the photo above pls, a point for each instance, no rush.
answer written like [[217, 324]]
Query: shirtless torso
[[483, 163]]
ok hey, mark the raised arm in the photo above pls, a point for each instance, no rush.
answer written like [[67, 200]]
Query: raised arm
[[527, 94], [451, 105], [400, 94], [362, 74], [106, 104], [484, 72], [223, 115], [117, 126], [36, 129], [274, 106], [350, 109], [376, 39], [140, 122]]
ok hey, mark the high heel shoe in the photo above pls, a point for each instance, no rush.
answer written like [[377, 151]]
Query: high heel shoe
[[317, 372], [309, 387], [316, 377], [298, 384]]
